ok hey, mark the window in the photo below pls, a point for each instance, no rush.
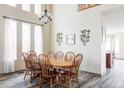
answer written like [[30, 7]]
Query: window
[[26, 7], [117, 45], [25, 37], [11, 39], [10, 45], [37, 9], [108, 44], [38, 39], [13, 5]]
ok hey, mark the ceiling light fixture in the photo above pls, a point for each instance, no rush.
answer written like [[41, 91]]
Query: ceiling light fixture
[[45, 16]]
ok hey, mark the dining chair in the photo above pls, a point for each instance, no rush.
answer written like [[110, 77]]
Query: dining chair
[[50, 55], [35, 67], [47, 70], [32, 52], [59, 55], [32, 57], [72, 73], [24, 54], [69, 56]]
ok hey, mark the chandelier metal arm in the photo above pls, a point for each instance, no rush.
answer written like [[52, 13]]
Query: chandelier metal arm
[[45, 16]]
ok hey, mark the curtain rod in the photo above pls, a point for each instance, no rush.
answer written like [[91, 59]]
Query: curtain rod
[[22, 20]]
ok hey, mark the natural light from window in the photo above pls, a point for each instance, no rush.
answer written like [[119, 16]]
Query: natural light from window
[[13, 5], [117, 45], [26, 7], [108, 44], [10, 45], [11, 39], [25, 37], [37, 9], [38, 39]]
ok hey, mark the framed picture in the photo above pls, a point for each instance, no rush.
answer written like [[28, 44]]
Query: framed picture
[[70, 39]]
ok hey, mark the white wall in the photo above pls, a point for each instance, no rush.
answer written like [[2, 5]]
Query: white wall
[[120, 36], [121, 47], [18, 13], [69, 21], [47, 33], [115, 20]]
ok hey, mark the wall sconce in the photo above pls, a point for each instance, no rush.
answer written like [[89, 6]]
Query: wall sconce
[[59, 38], [85, 38]]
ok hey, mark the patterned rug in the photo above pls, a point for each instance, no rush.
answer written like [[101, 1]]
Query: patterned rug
[[114, 78], [15, 80]]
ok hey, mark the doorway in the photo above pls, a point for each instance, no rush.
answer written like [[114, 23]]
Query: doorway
[[114, 46]]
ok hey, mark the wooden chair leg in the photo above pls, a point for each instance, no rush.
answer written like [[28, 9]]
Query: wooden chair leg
[[31, 77], [78, 82], [70, 83], [51, 82], [40, 81], [25, 74]]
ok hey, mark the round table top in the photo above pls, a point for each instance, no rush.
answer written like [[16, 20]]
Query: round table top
[[60, 63]]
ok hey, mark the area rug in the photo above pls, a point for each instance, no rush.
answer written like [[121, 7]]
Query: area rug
[[15, 80]]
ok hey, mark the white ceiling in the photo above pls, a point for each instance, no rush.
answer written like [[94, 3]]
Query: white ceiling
[[115, 20]]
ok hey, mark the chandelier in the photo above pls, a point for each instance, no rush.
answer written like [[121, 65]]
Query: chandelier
[[45, 16]]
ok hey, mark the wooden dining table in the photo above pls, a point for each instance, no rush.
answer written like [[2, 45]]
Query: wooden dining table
[[59, 65]]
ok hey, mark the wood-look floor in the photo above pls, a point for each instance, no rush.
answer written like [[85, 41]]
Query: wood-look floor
[[114, 78]]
